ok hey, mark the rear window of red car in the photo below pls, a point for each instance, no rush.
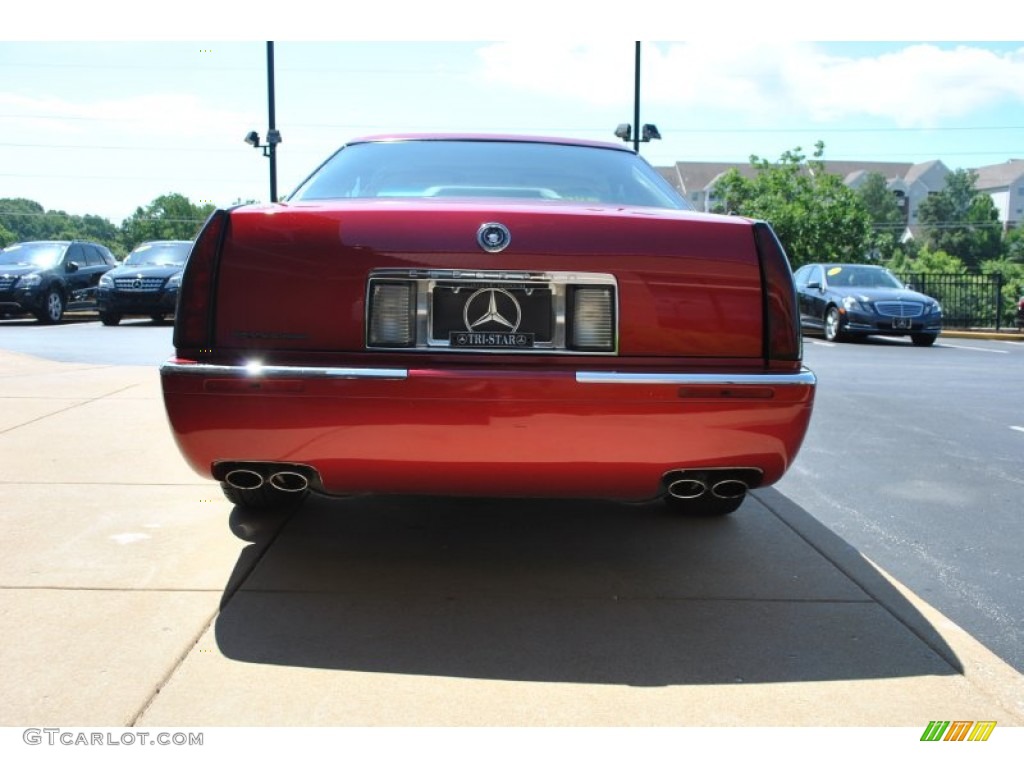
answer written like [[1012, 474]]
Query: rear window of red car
[[533, 171]]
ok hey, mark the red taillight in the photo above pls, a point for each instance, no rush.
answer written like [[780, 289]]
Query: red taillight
[[193, 323], [782, 339]]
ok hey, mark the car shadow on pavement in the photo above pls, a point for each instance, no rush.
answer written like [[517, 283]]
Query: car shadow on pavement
[[567, 591]]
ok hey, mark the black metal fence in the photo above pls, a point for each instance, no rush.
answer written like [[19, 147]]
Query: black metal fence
[[968, 301]]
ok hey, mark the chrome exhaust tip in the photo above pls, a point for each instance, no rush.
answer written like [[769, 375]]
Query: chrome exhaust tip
[[687, 488], [729, 489], [289, 481], [244, 479]]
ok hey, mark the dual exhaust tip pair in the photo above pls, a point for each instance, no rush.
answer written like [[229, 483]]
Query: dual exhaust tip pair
[[720, 484], [249, 478]]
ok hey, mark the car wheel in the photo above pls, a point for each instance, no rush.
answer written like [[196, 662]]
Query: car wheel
[[833, 325], [923, 339], [705, 506], [264, 497], [110, 318], [53, 308]]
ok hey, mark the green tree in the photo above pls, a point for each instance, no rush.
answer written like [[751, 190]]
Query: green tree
[[1013, 285], [961, 221], [815, 215], [25, 219], [1013, 245], [168, 217], [938, 263], [887, 219]]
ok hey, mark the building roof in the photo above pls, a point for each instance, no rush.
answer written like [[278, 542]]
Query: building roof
[[918, 170], [1001, 175], [694, 179], [690, 177]]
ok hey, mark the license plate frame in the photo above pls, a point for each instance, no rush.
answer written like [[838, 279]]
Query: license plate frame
[[492, 315]]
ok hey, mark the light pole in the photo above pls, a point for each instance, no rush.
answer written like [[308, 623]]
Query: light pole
[[273, 135], [636, 98], [625, 130], [271, 127]]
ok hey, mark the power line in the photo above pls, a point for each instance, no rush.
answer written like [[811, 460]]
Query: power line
[[83, 216], [179, 68], [299, 151], [714, 130], [111, 147], [119, 178]]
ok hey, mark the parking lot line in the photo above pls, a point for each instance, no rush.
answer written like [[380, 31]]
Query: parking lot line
[[974, 349]]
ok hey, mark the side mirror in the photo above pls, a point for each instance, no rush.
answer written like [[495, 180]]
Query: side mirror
[[814, 285], [71, 267]]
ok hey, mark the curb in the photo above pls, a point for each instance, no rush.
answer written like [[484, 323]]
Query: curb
[[990, 335]]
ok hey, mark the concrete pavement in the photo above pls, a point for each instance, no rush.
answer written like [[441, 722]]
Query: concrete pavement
[[134, 594]]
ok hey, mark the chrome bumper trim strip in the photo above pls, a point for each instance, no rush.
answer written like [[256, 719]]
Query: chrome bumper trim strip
[[804, 378], [256, 371]]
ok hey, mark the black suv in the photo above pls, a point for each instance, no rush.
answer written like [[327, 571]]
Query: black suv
[[47, 277], [146, 283]]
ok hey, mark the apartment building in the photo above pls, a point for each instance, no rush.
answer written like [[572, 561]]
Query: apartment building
[[911, 183]]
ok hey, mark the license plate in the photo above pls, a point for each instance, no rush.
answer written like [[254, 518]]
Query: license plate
[[471, 340], [492, 315], [901, 323]]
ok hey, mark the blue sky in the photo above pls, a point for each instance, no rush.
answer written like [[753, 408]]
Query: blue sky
[[103, 126]]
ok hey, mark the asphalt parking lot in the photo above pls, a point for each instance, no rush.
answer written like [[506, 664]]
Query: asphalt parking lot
[[134, 594], [916, 458]]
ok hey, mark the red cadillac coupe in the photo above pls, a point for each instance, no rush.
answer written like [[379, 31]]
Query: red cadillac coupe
[[487, 316]]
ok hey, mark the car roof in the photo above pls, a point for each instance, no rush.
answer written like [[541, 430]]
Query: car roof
[[494, 137], [829, 266], [44, 242]]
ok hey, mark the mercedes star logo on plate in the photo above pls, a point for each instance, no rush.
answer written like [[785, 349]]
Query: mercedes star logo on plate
[[492, 309]]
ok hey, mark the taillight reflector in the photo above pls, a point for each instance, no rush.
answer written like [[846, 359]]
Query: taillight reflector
[[193, 324], [782, 339]]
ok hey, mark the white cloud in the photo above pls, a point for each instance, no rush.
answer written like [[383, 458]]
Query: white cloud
[[915, 86]]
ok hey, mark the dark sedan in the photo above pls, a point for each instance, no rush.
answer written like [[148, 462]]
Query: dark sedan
[[845, 301], [146, 284]]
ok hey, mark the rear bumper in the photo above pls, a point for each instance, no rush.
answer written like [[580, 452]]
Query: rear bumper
[[486, 432]]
